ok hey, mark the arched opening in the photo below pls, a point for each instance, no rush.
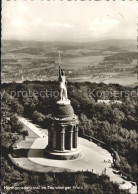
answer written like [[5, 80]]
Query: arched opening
[[67, 136], [58, 143], [74, 136]]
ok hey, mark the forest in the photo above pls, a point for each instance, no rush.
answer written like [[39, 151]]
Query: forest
[[115, 123], [126, 56]]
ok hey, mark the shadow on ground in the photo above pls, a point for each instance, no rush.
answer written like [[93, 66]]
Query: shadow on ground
[[23, 153]]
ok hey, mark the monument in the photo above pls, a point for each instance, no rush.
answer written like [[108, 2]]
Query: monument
[[63, 134]]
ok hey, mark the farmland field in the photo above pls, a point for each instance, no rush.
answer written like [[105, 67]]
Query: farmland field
[[118, 78], [80, 62], [126, 80], [102, 61]]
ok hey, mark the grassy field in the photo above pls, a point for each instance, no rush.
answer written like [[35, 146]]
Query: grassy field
[[81, 62], [123, 79]]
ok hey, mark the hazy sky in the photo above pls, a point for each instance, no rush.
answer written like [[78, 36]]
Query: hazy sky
[[69, 20]]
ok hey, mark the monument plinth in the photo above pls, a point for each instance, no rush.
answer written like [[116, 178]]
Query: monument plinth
[[63, 134]]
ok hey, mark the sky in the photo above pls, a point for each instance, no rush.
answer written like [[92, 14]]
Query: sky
[[69, 20]]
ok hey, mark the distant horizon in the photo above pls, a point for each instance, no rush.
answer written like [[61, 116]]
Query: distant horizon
[[110, 39]]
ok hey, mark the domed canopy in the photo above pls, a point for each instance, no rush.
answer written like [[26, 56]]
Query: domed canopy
[[64, 110]]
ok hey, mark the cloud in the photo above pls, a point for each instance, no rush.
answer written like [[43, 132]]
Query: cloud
[[37, 22], [69, 20], [19, 22], [101, 24], [22, 7], [129, 4], [63, 25]]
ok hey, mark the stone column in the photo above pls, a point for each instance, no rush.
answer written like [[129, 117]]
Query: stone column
[[70, 138], [75, 136], [62, 139], [49, 139], [54, 139]]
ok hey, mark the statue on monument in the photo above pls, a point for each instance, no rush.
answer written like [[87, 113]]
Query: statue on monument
[[63, 88]]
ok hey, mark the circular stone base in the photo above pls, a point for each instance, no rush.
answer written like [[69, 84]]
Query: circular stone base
[[57, 155], [63, 102]]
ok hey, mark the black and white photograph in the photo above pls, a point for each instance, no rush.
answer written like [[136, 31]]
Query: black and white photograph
[[69, 88]]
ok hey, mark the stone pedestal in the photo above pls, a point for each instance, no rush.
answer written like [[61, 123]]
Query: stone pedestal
[[63, 136]]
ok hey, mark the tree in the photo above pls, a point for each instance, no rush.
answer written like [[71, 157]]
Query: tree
[[24, 133], [38, 117], [17, 108]]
